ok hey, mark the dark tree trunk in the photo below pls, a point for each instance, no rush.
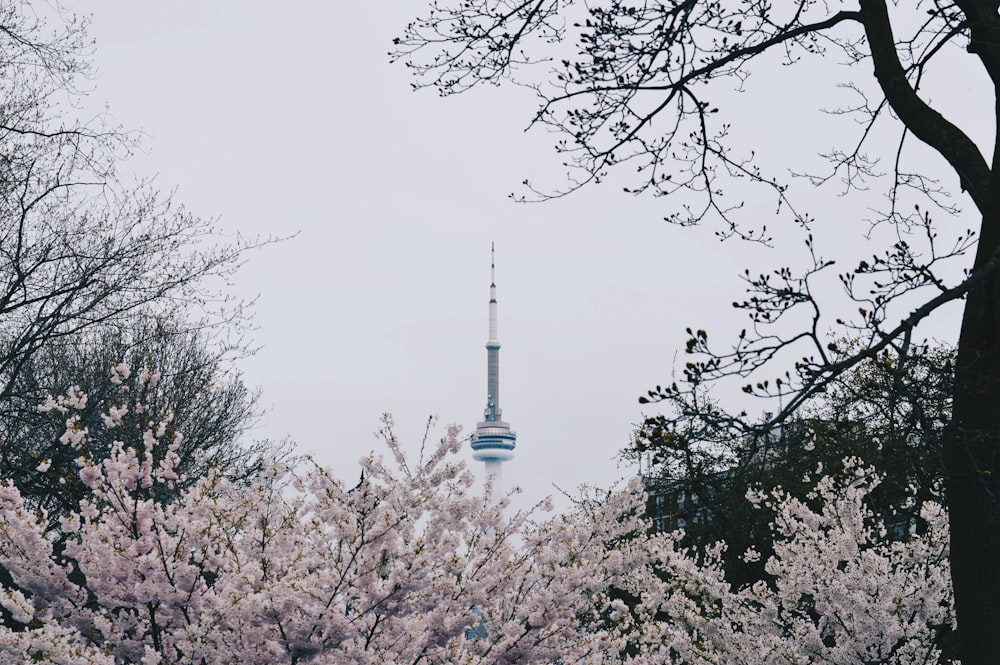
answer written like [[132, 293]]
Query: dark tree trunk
[[972, 446], [972, 464]]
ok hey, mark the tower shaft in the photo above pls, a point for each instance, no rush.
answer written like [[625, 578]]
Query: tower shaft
[[492, 383]]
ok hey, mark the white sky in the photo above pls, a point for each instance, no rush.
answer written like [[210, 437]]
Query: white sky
[[288, 117]]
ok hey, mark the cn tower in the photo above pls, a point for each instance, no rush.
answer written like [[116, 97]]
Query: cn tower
[[493, 442]]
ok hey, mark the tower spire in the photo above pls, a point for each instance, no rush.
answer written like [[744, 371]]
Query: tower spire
[[493, 309], [493, 442]]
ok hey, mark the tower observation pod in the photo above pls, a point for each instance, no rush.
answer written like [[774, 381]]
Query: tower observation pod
[[493, 443]]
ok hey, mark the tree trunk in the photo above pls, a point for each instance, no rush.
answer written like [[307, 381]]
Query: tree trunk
[[971, 455]]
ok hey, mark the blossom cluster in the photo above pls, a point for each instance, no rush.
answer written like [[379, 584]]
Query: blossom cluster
[[412, 566]]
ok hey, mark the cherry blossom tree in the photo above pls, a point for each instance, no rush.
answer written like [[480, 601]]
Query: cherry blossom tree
[[195, 380], [87, 250], [841, 593], [411, 566]]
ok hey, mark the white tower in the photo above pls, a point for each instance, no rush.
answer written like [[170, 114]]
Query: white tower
[[493, 442]]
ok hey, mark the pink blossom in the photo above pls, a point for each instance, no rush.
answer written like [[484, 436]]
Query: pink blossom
[[411, 565], [119, 373]]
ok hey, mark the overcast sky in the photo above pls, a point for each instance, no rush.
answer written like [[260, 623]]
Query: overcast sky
[[288, 118]]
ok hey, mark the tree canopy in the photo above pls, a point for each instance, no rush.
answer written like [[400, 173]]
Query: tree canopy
[[80, 245], [411, 565], [97, 269], [193, 381]]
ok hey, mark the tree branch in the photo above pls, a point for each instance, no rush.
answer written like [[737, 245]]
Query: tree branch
[[923, 121]]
